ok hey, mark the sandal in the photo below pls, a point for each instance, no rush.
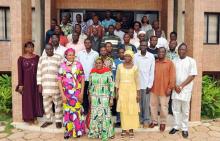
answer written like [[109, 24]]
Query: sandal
[[131, 134], [123, 134]]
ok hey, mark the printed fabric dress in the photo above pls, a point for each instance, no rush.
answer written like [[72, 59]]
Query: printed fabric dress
[[73, 112], [101, 88]]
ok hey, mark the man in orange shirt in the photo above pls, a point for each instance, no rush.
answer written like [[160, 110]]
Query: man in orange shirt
[[164, 82]]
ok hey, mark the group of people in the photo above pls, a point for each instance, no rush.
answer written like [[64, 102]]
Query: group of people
[[97, 71]]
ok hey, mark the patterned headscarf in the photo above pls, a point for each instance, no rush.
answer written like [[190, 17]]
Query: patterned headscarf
[[65, 54], [129, 52]]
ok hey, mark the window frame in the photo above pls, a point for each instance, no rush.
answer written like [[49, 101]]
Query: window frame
[[6, 30], [207, 28]]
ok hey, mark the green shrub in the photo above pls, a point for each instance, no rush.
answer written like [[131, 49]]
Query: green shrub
[[210, 97], [5, 94]]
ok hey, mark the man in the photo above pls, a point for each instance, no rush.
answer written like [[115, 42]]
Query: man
[[96, 25], [116, 62], [127, 45], [90, 21], [173, 36], [164, 83], [118, 32], [108, 20], [152, 48], [96, 40], [134, 41], [141, 37], [161, 41], [186, 71], [81, 23], [115, 40], [50, 32], [156, 26], [58, 49], [77, 29], [76, 44], [108, 46], [63, 39], [65, 26], [48, 85], [172, 55], [87, 58], [145, 62]]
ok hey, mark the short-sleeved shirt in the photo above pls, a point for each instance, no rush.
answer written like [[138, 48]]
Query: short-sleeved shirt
[[67, 29], [106, 23], [87, 60], [77, 47], [184, 68]]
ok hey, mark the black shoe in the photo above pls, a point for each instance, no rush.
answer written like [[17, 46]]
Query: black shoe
[[59, 125], [66, 137], [185, 134], [173, 131], [118, 124]]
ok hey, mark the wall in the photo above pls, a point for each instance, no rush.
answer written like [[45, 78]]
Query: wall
[[114, 4], [5, 56], [211, 53]]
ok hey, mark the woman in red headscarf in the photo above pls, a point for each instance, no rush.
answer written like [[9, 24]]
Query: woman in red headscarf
[[71, 85]]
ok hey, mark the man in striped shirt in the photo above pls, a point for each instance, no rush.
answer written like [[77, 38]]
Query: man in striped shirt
[[48, 85]]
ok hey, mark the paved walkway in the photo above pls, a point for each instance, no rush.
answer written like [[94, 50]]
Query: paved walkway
[[205, 131]]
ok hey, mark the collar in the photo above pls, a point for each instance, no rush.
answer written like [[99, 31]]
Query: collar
[[152, 48], [146, 55], [164, 61]]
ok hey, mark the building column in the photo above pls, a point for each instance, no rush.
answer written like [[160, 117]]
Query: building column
[[39, 30], [50, 12], [21, 32], [194, 28]]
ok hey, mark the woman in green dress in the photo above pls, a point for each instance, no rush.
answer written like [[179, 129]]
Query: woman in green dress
[[101, 90]]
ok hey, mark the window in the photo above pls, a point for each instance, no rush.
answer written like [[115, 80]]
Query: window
[[211, 28], [5, 23]]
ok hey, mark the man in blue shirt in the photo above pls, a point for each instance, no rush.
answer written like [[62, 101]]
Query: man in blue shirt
[[108, 21], [114, 69]]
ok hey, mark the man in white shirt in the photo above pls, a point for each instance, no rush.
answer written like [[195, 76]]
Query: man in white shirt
[[58, 49], [87, 58], [77, 29], [76, 44], [186, 71], [145, 62], [118, 32], [162, 42]]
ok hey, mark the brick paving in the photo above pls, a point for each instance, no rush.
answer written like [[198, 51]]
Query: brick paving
[[205, 131]]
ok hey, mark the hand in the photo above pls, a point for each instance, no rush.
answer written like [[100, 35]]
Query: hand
[[178, 89], [20, 89], [111, 101], [64, 99], [147, 91], [168, 92], [138, 98], [81, 98], [40, 88]]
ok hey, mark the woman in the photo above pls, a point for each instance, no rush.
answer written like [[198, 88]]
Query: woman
[[127, 89], [137, 28], [101, 90], [108, 61], [145, 24], [71, 85], [32, 102]]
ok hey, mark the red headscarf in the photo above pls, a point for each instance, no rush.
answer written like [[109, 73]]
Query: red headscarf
[[69, 50]]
